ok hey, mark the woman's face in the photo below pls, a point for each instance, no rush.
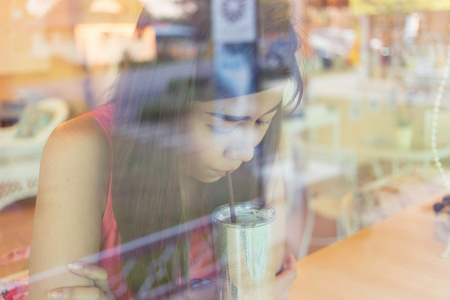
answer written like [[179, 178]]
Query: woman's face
[[222, 134]]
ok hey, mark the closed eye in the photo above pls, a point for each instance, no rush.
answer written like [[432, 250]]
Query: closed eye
[[263, 123], [218, 131], [223, 132]]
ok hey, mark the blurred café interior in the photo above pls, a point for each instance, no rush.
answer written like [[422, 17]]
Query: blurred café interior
[[367, 145]]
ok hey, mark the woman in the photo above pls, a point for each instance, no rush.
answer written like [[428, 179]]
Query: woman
[[150, 164]]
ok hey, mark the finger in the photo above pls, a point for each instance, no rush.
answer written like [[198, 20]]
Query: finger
[[77, 293], [292, 264], [289, 273], [285, 295], [284, 280], [98, 274], [289, 264], [282, 285]]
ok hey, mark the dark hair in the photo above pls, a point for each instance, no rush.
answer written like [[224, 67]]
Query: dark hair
[[147, 195]]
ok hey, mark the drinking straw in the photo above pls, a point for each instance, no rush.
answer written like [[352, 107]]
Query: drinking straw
[[231, 197]]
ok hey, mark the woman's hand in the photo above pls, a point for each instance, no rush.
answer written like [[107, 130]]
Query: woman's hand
[[285, 278], [95, 273]]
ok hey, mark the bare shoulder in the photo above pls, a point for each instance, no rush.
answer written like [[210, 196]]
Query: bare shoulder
[[81, 133], [77, 151], [73, 190]]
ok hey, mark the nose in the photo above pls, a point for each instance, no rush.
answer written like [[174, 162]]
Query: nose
[[240, 152], [242, 147]]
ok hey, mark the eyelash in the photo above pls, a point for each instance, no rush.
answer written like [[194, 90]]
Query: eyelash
[[219, 132], [263, 123]]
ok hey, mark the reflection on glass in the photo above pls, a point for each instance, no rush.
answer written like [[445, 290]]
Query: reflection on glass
[[165, 97], [176, 102]]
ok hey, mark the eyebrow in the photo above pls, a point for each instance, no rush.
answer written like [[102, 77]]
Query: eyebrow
[[230, 118]]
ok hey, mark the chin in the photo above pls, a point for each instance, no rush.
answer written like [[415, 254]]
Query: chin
[[209, 180]]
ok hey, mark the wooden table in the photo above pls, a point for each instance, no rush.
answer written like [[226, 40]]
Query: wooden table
[[398, 258]]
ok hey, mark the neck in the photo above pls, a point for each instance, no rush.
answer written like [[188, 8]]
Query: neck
[[191, 191]]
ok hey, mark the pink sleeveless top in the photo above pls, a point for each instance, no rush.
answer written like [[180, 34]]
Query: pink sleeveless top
[[200, 257]]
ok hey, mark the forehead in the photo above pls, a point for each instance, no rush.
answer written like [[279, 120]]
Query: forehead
[[248, 105]]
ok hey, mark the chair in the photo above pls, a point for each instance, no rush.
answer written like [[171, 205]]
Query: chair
[[380, 199], [21, 146], [345, 211], [364, 206], [310, 162]]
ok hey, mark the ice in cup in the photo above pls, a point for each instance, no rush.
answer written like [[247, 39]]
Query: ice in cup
[[244, 252]]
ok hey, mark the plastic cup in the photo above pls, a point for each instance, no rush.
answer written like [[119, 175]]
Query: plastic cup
[[244, 253]]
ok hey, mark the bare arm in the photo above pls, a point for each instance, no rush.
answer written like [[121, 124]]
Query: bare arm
[[276, 197], [72, 195], [285, 261]]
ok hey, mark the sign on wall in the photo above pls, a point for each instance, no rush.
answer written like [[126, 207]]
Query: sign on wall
[[234, 21]]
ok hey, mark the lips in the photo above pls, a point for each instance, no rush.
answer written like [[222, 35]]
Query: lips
[[223, 173]]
